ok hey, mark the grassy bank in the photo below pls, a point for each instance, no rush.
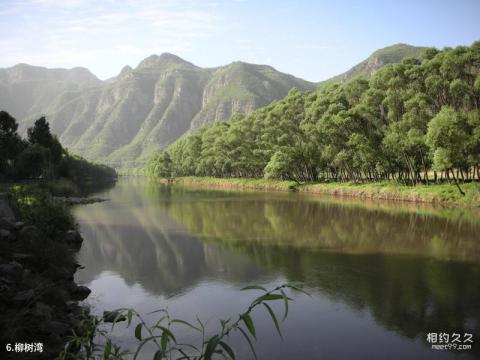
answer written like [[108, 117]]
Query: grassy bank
[[440, 193], [238, 183]]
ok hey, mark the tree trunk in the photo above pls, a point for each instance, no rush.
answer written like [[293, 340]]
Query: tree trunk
[[456, 183]]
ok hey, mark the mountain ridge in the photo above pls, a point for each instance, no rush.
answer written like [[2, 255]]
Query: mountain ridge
[[124, 119], [379, 58]]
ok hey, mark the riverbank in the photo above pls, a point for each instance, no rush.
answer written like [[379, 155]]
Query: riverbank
[[438, 193], [39, 300]]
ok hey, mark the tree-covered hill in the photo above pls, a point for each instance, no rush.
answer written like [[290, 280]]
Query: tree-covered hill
[[415, 121]]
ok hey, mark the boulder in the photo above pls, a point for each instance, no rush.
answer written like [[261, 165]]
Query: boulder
[[5, 209], [54, 327], [55, 295], [22, 257], [59, 273], [11, 270], [72, 237], [43, 311], [80, 292], [7, 290], [19, 225], [6, 235], [31, 235], [6, 224], [24, 296]]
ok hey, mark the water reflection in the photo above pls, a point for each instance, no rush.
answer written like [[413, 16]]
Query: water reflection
[[415, 270], [146, 247]]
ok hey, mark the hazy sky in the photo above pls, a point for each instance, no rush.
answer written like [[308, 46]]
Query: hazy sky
[[310, 39]]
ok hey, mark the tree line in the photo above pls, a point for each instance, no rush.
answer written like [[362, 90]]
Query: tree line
[[40, 155], [417, 121]]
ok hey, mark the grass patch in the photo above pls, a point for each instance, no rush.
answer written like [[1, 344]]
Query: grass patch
[[437, 193], [238, 183]]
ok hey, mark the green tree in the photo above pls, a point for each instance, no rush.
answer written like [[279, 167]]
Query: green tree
[[10, 142], [447, 138], [40, 134], [32, 162]]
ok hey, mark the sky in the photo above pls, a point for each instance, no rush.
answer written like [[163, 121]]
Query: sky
[[314, 40]]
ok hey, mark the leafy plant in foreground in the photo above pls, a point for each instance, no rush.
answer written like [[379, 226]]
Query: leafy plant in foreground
[[162, 334]]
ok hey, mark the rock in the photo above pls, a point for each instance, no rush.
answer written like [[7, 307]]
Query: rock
[[7, 224], [12, 270], [71, 304], [5, 209], [80, 292], [24, 296], [22, 257], [72, 237], [19, 225], [55, 296], [60, 273], [54, 327], [31, 235], [110, 316], [26, 273], [7, 290], [43, 311], [6, 235], [79, 200]]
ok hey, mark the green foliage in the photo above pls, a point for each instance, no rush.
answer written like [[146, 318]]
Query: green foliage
[[406, 123], [10, 143], [40, 134], [32, 162], [78, 169], [42, 156], [83, 344], [161, 165], [37, 207]]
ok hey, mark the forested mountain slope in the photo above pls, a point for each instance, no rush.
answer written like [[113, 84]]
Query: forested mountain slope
[[124, 119], [407, 120]]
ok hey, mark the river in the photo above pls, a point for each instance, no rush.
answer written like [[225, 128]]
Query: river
[[381, 275]]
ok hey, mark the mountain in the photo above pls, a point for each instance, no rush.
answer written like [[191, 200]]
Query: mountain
[[124, 119], [26, 89], [388, 55]]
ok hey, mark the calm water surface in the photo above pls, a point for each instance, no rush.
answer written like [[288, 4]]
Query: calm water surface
[[381, 275]]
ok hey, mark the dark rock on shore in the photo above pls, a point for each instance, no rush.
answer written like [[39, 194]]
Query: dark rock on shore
[[79, 200], [79, 292], [6, 235], [12, 270], [6, 211], [73, 238], [38, 295], [6, 224], [30, 235]]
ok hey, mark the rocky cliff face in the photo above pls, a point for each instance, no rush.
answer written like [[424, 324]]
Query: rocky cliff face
[[124, 119]]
